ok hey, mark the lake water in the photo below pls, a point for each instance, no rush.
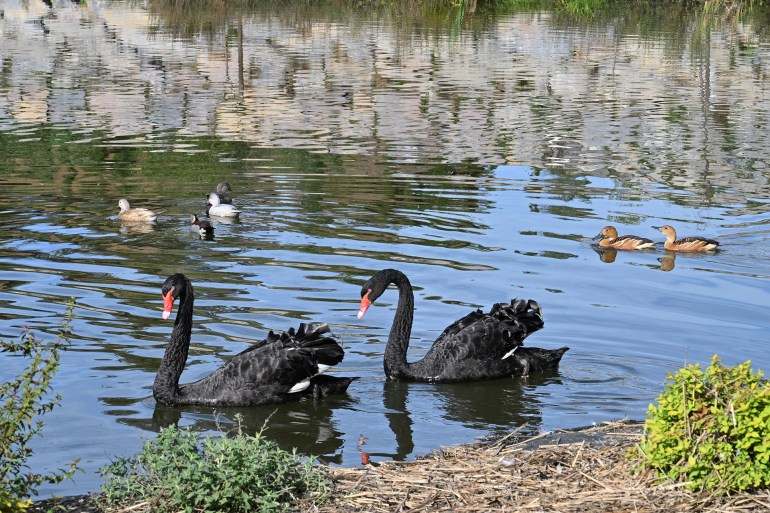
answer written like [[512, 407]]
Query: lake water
[[478, 154]]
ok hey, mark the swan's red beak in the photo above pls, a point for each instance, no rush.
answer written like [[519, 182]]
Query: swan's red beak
[[168, 304], [365, 304]]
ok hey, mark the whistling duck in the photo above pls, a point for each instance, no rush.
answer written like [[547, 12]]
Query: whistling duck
[[608, 238], [686, 243]]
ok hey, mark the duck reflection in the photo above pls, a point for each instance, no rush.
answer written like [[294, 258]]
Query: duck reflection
[[667, 262], [606, 255], [128, 227]]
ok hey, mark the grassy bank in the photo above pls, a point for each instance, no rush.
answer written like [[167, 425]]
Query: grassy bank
[[566, 471]]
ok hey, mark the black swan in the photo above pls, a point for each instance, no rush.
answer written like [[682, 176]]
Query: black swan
[[478, 346], [278, 369]]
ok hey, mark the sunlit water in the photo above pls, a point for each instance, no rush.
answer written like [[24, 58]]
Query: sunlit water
[[479, 163]]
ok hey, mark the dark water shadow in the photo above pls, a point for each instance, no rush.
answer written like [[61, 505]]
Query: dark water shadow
[[501, 405], [308, 425]]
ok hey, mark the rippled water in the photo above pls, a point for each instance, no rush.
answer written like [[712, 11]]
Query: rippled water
[[480, 162]]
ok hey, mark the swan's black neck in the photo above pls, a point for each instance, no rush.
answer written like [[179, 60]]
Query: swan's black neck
[[398, 341], [166, 387]]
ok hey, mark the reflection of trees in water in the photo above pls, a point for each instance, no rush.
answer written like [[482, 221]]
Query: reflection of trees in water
[[595, 112]]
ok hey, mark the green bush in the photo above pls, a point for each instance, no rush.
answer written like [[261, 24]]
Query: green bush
[[182, 471], [23, 402], [711, 430]]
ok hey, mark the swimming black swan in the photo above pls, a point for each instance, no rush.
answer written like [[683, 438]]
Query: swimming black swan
[[278, 369], [478, 346]]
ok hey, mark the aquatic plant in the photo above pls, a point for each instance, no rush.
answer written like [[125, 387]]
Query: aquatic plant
[[181, 470], [23, 403], [711, 429]]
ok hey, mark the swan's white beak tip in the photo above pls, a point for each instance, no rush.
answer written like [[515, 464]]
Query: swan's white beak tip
[[360, 313], [166, 314]]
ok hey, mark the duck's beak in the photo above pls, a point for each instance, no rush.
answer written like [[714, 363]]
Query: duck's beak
[[600, 236], [657, 227], [365, 304]]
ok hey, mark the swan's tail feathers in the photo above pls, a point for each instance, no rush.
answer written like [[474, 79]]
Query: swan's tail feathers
[[318, 339], [525, 315]]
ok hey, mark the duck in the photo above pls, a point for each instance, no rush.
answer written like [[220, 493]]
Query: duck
[[216, 208], [686, 243], [608, 238], [479, 346], [281, 368], [135, 215], [223, 191], [203, 227]]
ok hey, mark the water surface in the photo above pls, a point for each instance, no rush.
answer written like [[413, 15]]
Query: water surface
[[479, 158]]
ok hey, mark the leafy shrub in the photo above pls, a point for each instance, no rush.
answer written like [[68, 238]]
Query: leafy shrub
[[182, 471], [711, 430], [23, 403]]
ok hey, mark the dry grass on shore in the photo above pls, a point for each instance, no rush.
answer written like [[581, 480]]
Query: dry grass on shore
[[583, 471], [565, 471]]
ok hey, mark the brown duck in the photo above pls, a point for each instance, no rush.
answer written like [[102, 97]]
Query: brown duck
[[686, 243], [608, 238]]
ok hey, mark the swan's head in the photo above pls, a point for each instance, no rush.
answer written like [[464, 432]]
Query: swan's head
[[376, 285], [214, 200], [123, 204], [171, 290]]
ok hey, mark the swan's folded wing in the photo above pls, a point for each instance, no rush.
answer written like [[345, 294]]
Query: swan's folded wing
[[274, 368], [484, 339], [504, 327], [282, 360]]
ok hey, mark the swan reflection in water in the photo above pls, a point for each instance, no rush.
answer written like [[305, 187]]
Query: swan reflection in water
[[419, 410], [399, 419], [309, 426]]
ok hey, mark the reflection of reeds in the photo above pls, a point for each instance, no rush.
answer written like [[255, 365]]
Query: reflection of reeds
[[186, 18]]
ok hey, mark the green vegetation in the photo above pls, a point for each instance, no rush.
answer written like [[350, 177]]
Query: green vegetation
[[711, 430], [182, 471], [23, 403]]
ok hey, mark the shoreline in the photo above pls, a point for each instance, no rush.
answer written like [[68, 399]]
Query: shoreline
[[582, 470]]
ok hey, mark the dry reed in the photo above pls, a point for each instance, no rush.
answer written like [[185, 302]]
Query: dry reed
[[565, 471]]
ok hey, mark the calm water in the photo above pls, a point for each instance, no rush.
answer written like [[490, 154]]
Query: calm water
[[477, 155]]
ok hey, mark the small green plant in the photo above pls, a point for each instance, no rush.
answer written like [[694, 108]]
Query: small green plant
[[22, 403], [711, 430], [182, 471]]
